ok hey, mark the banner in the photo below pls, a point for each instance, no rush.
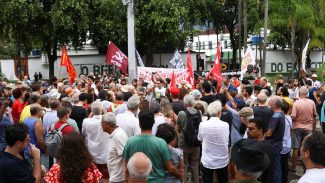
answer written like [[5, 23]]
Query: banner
[[248, 59], [116, 57], [176, 60], [304, 56], [20, 67], [147, 72]]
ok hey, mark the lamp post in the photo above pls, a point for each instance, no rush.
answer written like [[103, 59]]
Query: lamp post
[[131, 40]]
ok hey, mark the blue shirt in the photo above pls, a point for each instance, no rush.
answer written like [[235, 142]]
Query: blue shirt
[[277, 126], [4, 123], [30, 122], [235, 126], [287, 138], [50, 118]]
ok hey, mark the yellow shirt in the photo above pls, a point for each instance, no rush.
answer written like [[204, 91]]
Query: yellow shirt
[[25, 113]]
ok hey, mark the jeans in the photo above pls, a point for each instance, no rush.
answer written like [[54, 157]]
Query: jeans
[[277, 165], [222, 174], [284, 167], [192, 162]]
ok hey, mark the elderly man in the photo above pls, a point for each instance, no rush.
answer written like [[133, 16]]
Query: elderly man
[[303, 116], [275, 134], [312, 152], [191, 151], [262, 110], [139, 168], [250, 160], [155, 148], [214, 135], [159, 117], [127, 120], [51, 116], [116, 143], [95, 138]]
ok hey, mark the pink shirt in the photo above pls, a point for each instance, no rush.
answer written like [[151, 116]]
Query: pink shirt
[[304, 112]]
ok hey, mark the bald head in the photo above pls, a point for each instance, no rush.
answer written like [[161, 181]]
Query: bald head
[[303, 91], [139, 166], [262, 98], [35, 109]]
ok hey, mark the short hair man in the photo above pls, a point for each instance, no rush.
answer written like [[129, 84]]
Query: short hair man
[[275, 134], [250, 160], [256, 130], [191, 154], [128, 120], [155, 148], [139, 168], [303, 122], [312, 152], [116, 143], [214, 135], [35, 98], [13, 167], [262, 110], [95, 138]]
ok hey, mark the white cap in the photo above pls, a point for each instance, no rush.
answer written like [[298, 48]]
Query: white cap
[[314, 76]]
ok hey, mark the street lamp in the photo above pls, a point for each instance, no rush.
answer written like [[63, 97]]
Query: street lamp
[[131, 40]]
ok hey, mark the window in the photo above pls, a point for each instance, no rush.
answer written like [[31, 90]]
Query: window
[[203, 46], [226, 44], [196, 45], [210, 45]]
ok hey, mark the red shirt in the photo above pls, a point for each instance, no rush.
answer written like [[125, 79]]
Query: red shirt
[[17, 108], [90, 175], [65, 130]]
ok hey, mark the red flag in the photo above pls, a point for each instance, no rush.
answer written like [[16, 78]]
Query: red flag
[[189, 72], [116, 57], [215, 72], [64, 58], [65, 61], [173, 81]]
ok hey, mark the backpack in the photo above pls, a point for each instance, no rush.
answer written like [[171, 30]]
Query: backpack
[[191, 129], [53, 140]]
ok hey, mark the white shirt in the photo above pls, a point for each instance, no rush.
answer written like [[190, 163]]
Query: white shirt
[[95, 138], [314, 175], [50, 118], [129, 123], [316, 84], [160, 92], [115, 163], [159, 119], [214, 135]]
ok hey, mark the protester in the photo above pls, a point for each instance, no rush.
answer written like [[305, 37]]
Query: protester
[[250, 160], [190, 149], [74, 162], [139, 168], [128, 120], [115, 147], [312, 152], [96, 139], [155, 148], [303, 122], [19, 103], [214, 135], [78, 112], [13, 167]]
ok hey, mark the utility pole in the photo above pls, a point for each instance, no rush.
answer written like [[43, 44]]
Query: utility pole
[[266, 17], [131, 40]]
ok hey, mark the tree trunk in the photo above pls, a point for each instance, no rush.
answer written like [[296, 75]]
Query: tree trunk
[[51, 51], [293, 55], [233, 45], [245, 23], [266, 17], [239, 31]]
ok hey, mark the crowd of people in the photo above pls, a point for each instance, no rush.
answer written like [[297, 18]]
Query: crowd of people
[[102, 129]]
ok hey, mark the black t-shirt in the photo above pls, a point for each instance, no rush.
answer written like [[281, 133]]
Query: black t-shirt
[[226, 116], [178, 106], [78, 113], [208, 99], [267, 174], [13, 169], [263, 112]]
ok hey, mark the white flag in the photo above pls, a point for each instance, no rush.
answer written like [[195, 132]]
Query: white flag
[[139, 59], [176, 60], [248, 59], [304, 56]]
